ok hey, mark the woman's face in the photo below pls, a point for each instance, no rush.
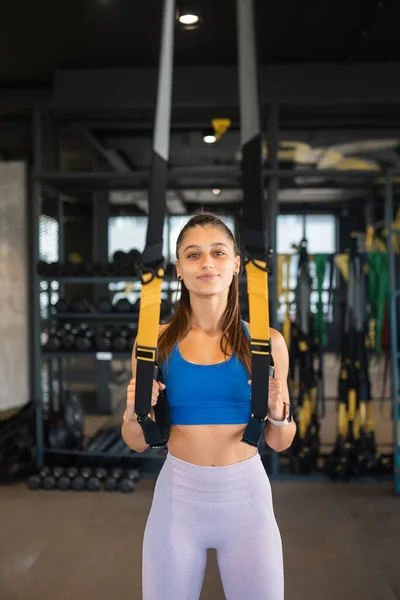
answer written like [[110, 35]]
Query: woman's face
[[206, 260]]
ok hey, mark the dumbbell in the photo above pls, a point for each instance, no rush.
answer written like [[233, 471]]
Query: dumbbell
[[84, 338], [134, 256], [120, 341], [34, 482], [48, 479], [124, 263], [86, 472], [104, 340], [93, 484], [78, 483], [132, 474], [52, 340], [58, 472], [111, 482], [67, 335], [72, 472], [64, 483], [61, 306], [62, 479], [126, 486], [101, 473], [92, 481]]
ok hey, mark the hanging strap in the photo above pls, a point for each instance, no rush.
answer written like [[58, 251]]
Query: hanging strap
[[286, 322], [152, 265], [321, 261], [257, 257], [378, 293]]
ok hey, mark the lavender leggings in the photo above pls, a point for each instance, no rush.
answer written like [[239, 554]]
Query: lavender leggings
[[228, 508]]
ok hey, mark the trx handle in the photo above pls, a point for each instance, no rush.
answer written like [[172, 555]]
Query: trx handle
[[152, 265]]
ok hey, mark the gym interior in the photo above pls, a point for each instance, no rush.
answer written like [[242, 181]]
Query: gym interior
[[79, 107]]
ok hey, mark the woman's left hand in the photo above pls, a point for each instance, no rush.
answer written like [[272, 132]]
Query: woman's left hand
[[276, 408]]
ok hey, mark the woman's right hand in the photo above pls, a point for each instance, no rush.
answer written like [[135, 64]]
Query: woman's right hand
[[130, 415]]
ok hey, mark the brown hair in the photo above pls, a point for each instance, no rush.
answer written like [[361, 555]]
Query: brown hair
[[233, 333]]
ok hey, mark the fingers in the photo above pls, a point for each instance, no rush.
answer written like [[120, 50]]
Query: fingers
[[130, 404], [130, 401]]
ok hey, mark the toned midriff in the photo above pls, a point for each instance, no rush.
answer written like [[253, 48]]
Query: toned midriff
[[209, 445]]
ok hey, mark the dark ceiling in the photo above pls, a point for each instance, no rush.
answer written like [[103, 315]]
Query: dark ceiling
[[36, 38], [333, 68]]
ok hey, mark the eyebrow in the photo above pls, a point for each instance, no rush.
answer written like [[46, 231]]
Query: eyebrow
[[216, 244]]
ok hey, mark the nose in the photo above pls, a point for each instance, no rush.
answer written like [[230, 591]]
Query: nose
[[207, 263]]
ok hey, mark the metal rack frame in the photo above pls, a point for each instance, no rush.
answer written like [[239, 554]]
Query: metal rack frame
[[394, 346], [113, 180]]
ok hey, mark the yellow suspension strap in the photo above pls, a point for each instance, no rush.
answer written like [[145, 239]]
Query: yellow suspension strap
[[152, 266], [257, 255], [286, 322]]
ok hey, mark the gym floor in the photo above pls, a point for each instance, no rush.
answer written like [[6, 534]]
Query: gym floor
[[341, 541]]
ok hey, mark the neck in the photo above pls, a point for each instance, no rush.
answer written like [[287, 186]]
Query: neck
[[208, 313]]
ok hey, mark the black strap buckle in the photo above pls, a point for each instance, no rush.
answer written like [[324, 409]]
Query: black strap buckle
[[260, 347], [265, 257], [155, 269], [147, 353]]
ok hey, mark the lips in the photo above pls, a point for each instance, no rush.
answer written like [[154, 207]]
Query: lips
[[208, 277]]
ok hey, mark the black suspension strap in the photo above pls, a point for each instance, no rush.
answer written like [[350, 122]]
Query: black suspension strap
[[257, 256], [152, 266]]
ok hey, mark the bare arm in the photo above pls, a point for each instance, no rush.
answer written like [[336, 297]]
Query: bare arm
[[280, 438]]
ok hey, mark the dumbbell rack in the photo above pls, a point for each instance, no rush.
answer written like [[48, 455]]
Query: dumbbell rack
[[150, 460]]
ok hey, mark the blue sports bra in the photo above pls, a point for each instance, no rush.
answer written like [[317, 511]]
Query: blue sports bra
[[207, 394]]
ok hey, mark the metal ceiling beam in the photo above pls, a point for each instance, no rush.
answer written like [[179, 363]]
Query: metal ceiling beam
[[203, 178], [112, 156]]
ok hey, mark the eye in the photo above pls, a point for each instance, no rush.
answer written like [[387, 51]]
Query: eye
[[191, 255]]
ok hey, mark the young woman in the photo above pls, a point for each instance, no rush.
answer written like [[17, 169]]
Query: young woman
[[212, 491]]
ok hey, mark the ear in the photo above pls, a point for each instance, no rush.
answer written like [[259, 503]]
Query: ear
[[237, 264], [176, 267]]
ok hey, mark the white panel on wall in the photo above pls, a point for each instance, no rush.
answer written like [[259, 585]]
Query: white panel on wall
[[14, 322]]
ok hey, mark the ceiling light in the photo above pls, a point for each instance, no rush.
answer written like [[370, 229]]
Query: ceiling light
[[216, 191], [188, 15], [188, 19], [209, 138]]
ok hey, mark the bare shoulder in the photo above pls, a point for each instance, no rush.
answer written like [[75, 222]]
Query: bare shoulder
[[277, 340]]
